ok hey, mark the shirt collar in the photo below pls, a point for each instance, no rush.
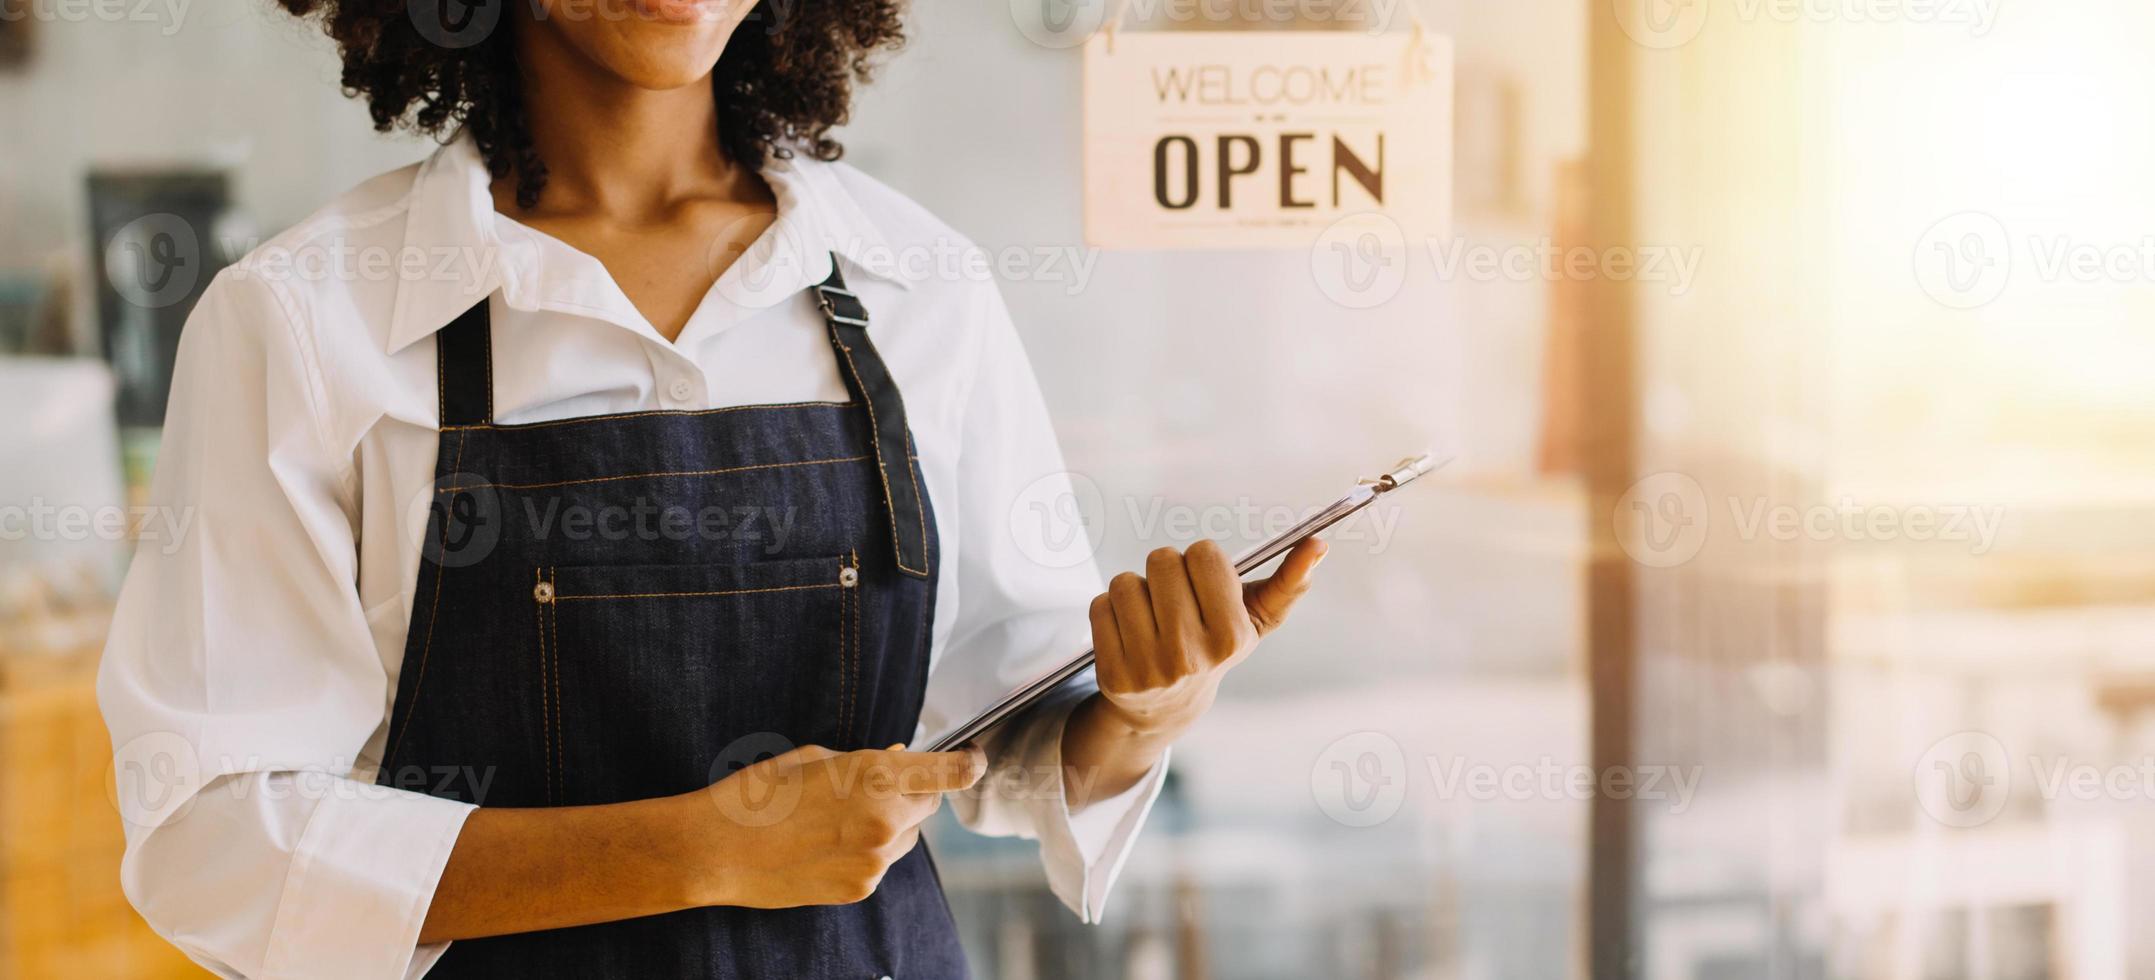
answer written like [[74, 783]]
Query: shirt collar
[[456, 255]]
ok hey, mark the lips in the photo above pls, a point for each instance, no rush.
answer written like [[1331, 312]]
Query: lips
[[681, 11]]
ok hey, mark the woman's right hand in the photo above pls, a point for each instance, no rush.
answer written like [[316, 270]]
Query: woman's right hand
[[817, 827]]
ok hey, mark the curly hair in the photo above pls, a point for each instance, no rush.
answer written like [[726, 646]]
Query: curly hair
[[785, 79]]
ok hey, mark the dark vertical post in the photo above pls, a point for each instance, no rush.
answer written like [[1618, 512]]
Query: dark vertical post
[[1609, 430]]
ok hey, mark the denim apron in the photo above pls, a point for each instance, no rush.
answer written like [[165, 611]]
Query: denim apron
[[628, 606]]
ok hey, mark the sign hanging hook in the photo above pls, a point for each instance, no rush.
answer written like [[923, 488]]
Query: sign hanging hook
[[1419, 69], [1112, 22]]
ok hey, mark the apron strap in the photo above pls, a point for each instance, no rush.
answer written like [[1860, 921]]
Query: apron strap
[[464, 363], [464, 353], [871, 384]]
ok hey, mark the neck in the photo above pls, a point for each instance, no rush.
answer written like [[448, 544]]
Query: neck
[[611, 147]]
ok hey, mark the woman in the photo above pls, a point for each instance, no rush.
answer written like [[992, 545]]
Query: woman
[[547, 494]]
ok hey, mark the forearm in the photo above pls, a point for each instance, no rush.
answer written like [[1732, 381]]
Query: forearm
[[847, 817], [1104, 754], [520, 870]]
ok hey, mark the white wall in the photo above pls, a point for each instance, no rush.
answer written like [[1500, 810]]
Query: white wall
[[232, 82]]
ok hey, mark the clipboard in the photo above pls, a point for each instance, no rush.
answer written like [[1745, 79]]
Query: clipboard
[[1364, 493]]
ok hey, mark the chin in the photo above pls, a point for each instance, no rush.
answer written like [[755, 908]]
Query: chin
[[662, 62], [652, 44]]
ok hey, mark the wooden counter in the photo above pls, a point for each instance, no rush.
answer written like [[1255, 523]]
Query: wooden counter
[[61, 910]]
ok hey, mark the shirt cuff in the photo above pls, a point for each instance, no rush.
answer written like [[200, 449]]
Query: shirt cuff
[[360, 884], [1082, 853], [1099, 823]]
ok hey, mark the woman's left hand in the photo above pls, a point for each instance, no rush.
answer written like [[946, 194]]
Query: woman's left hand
[[1164, 640]]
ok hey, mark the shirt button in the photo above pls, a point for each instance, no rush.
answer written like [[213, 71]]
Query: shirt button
[[681, 390]]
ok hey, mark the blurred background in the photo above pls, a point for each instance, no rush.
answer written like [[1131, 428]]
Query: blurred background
[[1786, 607]]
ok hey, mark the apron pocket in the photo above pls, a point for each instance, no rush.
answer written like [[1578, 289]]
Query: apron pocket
[[660, 679]]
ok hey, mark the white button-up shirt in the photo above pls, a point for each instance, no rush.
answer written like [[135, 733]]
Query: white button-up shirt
[[253, 662]]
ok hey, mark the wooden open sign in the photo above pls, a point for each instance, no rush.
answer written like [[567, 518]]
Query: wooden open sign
[[1229, 140]]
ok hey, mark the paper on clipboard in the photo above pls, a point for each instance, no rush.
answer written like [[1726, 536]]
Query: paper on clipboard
[[1364, 493]]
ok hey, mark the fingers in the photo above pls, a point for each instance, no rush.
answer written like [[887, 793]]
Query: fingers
[[1270, 600], [974, 766], [803, 755], [1134, 623], [926, 774], [1107, 652], [1174, 609], [1219, 597], [790, 760], [1174, 604], [893, 792]]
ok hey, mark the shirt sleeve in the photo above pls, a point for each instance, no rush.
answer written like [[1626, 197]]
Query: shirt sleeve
[[1025, 579], [241, 683]]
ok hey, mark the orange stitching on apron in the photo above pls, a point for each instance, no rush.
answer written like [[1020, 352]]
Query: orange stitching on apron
[[696, 595], [845, 657], [546, 704], [654, 476], [587, 420], [920, 503], [844, 696], [853, 679], [875, 433], [433, 611], [561, 762]]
